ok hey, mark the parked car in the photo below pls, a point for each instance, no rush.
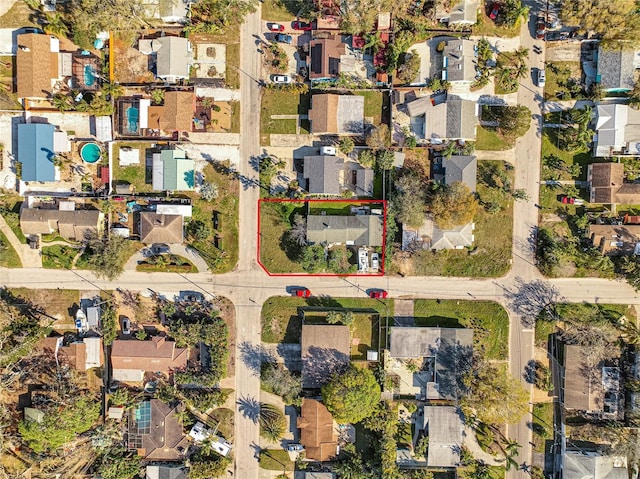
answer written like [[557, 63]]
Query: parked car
[[541, 26], [378, 293], [126, 325], [281, 79], [282, 38], [375, 261], [160, 248], [295, 447], [541, 77], [275, 27], [298, 25], [567, 199], [495, 9], [216, 220], [328, 150], [301, 292]]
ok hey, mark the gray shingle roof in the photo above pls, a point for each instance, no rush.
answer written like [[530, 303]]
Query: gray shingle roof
[[323, 173], [461, 168], [445, 435], [173, 58], [615, 68], [358, 230]]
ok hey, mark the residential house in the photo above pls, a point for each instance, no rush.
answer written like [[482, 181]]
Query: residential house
[[337, 114], [445, 355], [318, 433], [607, 186], [160, 228], [356, 230], [458, 168], [173, 56], [616, 68], [77, 225], [587, 387], [459, 61], [616, 240], [326, 50], [155, 431], [330, 175], [36, 152], [165, 472], [173, 171], [431, 236], [176, 114], [130, 358], [325, 350], [444, 427], [465, 12], [37, 65], [441, 118], [80, 355], [617, 131], [592, 464]]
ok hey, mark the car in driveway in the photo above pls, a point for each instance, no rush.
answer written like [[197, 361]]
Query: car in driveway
[[570, 200], [300, 292], [126, 325], [282, 38], [541, 79], [495, 9], [295, 447], [378, 293], [275, 27], [375, 261], [285, 79], [160, 248], [541, 27], [304, 26]]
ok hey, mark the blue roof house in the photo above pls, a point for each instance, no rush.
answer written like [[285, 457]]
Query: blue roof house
[[35, 151]]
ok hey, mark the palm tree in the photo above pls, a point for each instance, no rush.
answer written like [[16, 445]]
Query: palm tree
[[521, 54], [522, 70], [62, 102], [55, 25], [629, 331], [451, 148], [272, 422]]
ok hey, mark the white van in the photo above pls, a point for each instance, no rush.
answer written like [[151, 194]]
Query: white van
[[375, 261], [328, 150], [541, 77]]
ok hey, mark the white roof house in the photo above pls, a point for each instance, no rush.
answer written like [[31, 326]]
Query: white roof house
[[617, 131], [444, 425]]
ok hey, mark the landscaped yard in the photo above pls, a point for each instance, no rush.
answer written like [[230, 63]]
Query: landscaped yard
[[542, 425], [493, 239], [281, 324], [373, 103], [8, 256], [58, 256], [166, 264], [10, 204], [136, 175], [272, 227], [578, 157], [232, 68], [489, 321], [558, 85], [276, 460], [487, 139], [277, 102]]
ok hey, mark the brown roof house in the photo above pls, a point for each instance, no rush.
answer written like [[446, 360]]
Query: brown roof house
[[74, 224], [317, 431], [616, 240], [79, 355], [606, 185], [37, 65], [588, 387], [326, 350], [337, 114], [175, 115], [130, 359], [326, 49], [155, 431], [159, 228]]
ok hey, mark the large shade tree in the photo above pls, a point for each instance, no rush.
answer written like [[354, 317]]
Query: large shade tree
[[352, 396]]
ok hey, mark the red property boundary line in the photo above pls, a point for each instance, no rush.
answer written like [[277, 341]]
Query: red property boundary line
[[353, 202]]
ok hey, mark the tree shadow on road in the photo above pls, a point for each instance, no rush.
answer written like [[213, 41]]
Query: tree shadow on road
[[249, 408], [529, 298], [253, 355]]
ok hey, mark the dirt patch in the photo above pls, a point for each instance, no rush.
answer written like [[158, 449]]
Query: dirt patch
[[221, 120], [417, 160], [58, 303], [130, 65]]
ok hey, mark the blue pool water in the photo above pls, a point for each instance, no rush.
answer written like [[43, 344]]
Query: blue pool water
[[90, 152], [89, 75], [132, 119]]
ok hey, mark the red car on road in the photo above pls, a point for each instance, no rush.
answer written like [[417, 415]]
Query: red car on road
[[301, 292], [298, 25], [378, 293], [275, 27]]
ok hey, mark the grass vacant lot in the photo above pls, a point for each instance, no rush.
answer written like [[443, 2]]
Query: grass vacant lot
[[58, 256], [558, 74], [280, 10], [276, 460], [580, 157], [488, 28], [542, 425], [493, 241], [487, 139], [8, 256], [58, 303], [226, 204], [281, 324], [135, 175], [272, 227], [276, 102], [488, 319]]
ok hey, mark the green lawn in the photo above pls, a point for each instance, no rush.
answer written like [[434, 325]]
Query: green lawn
[[488, 28], [542, 425], [226, 204], [8, 256], [280, 10], [272, 227], [225, 419], [232, 66], [488, 319], [172, 264], [19, 15], [557, 74], [582, 158], [276, 102], [487, 139], [58, 256], [276, 460], [493, 242], [135, 175], [281, 324], [10, 204], [235, 116], [373, 101]]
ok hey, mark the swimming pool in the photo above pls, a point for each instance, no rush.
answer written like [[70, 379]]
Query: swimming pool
[[90, 152], [133, 115], [89, 75]]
